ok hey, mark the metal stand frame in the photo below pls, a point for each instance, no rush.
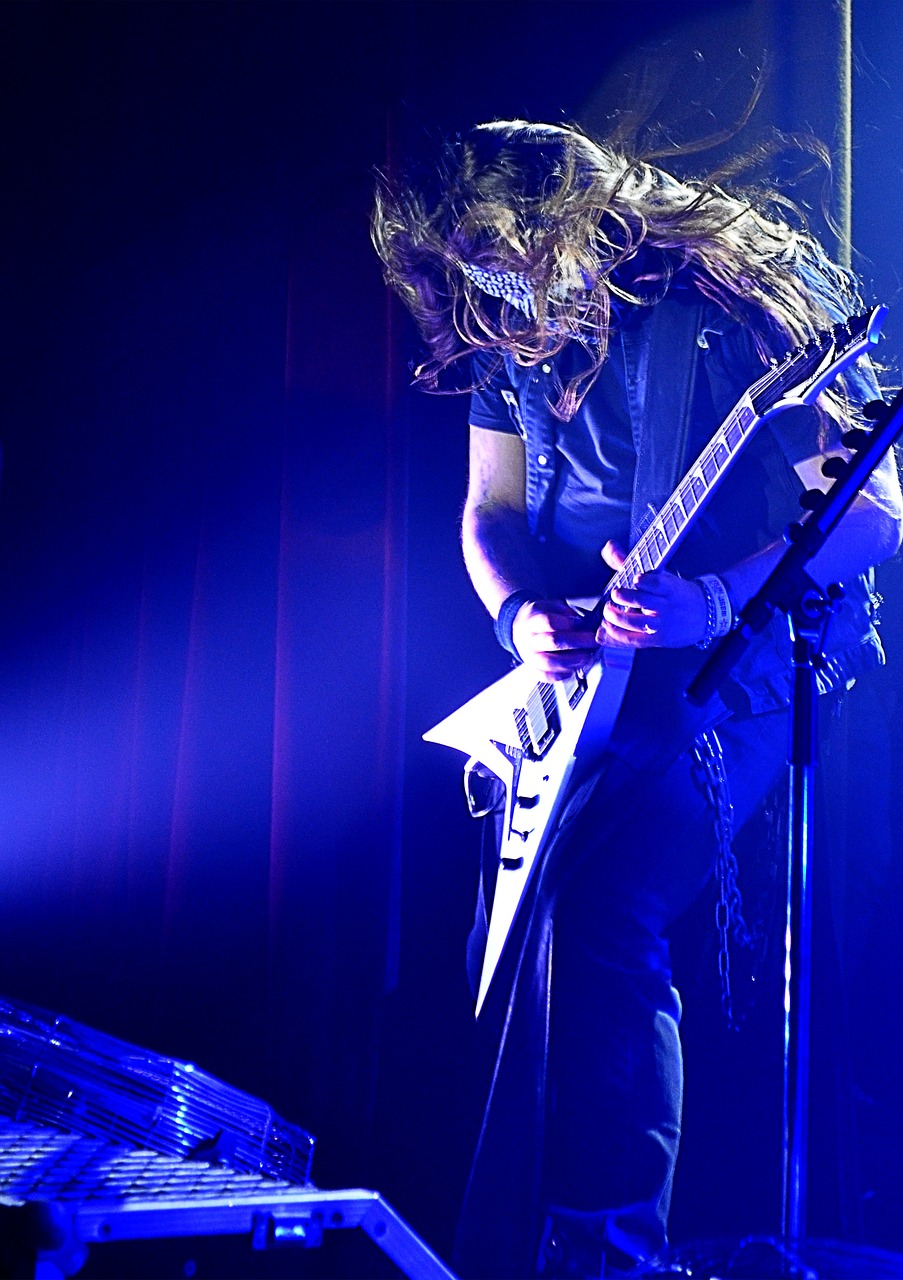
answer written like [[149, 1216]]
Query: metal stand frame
[[58, 1240], [789, 590], [808, 620]]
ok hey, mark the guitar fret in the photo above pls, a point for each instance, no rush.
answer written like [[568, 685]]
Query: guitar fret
[[688, 498], [668, 520], [655, 544], [633, 566], [645, 558], [733, 434]]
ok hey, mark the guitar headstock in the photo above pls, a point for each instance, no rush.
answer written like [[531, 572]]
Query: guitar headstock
[[808, 370]]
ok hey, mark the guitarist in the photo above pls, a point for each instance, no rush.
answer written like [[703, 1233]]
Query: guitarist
[[607, 317]]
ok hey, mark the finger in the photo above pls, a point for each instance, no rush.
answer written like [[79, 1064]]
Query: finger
[[548, 634], [613, 554], [555, 642], [631, 598], [544, 622], [558, 625], [633, 620], [560, 666], [556, 615], [649, 589], [639, 598], [609, 634]]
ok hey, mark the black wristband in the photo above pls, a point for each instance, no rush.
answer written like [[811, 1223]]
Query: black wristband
[[505, 621]]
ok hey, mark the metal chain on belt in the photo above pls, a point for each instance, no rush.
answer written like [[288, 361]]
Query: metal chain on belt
[[712, 781]]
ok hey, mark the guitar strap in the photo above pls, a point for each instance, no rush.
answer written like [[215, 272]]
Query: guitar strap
[[661, 359]]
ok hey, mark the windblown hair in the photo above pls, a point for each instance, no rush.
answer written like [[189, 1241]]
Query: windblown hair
[[590, 225]]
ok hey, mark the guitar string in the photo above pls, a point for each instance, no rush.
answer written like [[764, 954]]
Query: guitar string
[[646, 544], [709, 455]]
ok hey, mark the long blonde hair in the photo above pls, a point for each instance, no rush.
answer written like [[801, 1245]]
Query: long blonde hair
[[570, 215]]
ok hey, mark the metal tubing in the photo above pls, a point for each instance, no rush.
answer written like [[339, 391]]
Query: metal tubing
[[798, 935]]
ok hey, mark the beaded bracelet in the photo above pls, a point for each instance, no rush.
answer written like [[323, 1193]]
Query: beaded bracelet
[[719, 613], [504, 623]]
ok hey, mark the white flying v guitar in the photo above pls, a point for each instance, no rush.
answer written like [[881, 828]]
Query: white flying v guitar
[[538, 737]]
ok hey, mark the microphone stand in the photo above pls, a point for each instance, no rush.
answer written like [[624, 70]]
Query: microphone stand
[[790, 590], [808, 620]]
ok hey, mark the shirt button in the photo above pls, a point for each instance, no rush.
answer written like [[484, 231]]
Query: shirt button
[[547, 368], [542, 459]]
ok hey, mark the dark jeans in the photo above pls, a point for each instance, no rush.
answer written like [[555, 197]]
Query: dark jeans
[[615, 1069]]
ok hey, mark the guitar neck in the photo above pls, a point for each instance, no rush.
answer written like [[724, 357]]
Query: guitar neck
[[670, 525], [799, 380]]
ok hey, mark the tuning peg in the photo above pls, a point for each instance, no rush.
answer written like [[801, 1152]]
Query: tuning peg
[[856, 438], [834, 467], [811, 499], [874, 409]]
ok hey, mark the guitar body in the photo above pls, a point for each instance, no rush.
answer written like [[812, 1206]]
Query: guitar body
[[538, 739]]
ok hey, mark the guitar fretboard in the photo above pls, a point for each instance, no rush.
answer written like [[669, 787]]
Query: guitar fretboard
[[660, 539]]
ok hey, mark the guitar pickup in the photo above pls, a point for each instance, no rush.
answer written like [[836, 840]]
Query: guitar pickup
[[538, 722]]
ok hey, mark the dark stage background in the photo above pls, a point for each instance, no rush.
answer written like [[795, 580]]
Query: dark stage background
[[232, 598]]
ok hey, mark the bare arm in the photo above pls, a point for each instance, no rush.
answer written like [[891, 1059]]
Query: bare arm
[[869, 533], [864, 537], [499, 555], [494, 533]]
